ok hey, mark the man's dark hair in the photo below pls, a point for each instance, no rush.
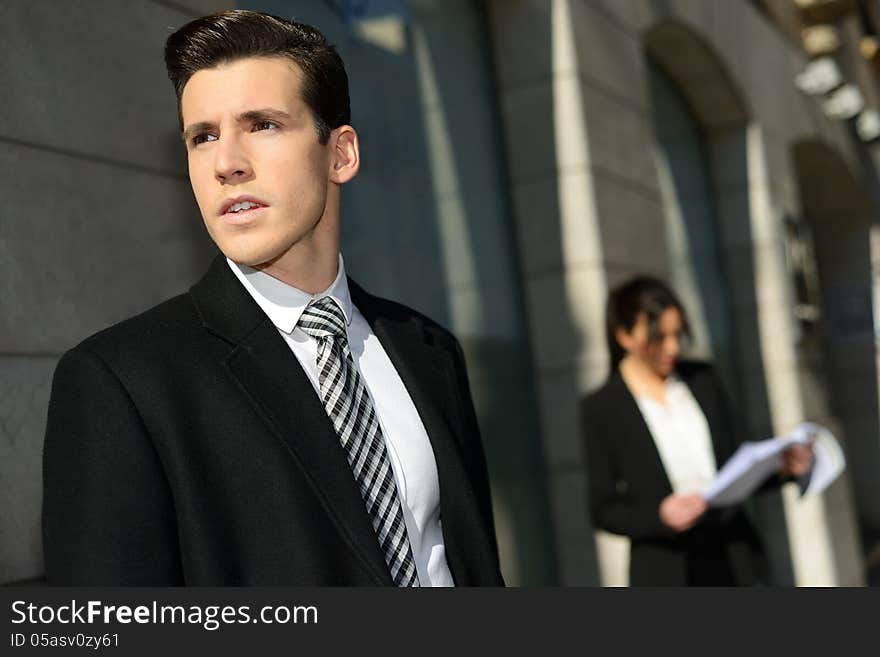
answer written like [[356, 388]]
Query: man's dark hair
[[642, 294], [231, 35]]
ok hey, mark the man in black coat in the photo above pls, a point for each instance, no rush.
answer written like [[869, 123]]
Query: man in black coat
[[277, 425]]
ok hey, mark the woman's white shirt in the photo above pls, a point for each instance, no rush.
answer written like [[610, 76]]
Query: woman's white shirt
[[681, 434]]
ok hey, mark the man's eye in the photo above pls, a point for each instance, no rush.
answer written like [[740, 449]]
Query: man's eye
[[265, 125], [198, 139]]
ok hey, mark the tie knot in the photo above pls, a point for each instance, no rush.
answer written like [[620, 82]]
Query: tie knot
[[323, 318]]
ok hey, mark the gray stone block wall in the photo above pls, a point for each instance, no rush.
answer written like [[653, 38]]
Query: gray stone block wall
[[24, 393], [98, 221]]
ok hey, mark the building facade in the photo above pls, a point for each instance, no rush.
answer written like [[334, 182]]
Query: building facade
[[669, 137], [520, 157]]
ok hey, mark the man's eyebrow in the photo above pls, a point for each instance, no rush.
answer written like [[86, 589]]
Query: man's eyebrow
[[195, 129], [262, 114]]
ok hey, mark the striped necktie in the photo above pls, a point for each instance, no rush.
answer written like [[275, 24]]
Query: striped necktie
[[351, 411]]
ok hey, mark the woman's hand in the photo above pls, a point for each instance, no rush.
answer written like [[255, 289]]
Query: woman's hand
[[796, 460], [680, 512]]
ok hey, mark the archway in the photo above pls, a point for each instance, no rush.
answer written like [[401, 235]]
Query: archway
[[704, 148], [841, 344]]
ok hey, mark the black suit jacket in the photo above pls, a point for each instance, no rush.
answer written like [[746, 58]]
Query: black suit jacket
[[186, 446], [627, 482]]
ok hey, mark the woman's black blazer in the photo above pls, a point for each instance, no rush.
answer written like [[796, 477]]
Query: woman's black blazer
[[627, 482]]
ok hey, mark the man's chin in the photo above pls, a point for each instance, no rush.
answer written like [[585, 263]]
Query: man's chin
[[257, 249], [252, 259]]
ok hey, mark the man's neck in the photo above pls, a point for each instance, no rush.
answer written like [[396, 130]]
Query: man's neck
[[313, 273], [310, 265]]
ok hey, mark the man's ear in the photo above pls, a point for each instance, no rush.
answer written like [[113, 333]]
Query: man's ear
[[345, 155]]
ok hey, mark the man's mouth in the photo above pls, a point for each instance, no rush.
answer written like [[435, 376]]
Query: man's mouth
[[247, 205], [241, 205]]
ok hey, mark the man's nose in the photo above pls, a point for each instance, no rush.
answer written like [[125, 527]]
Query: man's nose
[[231, 163]]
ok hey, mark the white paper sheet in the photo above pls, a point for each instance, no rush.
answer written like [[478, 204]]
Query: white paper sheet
[[829, 461], [753, 462]]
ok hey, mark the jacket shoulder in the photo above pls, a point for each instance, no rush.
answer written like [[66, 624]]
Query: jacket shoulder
[[698, 372], [603, 399], [395, 311], [158, 328], [692, 368]]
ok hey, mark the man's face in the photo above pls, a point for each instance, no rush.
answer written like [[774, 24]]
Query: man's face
[[258, 172]]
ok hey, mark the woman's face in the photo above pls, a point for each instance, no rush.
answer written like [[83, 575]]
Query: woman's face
[[658, 352]]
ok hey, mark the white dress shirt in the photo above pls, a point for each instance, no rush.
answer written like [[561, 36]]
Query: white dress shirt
[[681, 434], [409, 449]]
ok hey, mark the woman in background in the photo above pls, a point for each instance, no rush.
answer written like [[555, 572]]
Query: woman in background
[[656, 433]]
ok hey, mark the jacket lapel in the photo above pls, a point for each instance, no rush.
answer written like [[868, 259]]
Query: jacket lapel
[[705, 397], [642, 450], [426, 372], [272, 380]]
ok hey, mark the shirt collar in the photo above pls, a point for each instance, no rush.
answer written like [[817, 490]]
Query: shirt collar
[[672, 384], [283, 303]]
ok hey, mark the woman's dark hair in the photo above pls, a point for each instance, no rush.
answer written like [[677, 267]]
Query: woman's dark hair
[[230, 35], [642, 294]]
